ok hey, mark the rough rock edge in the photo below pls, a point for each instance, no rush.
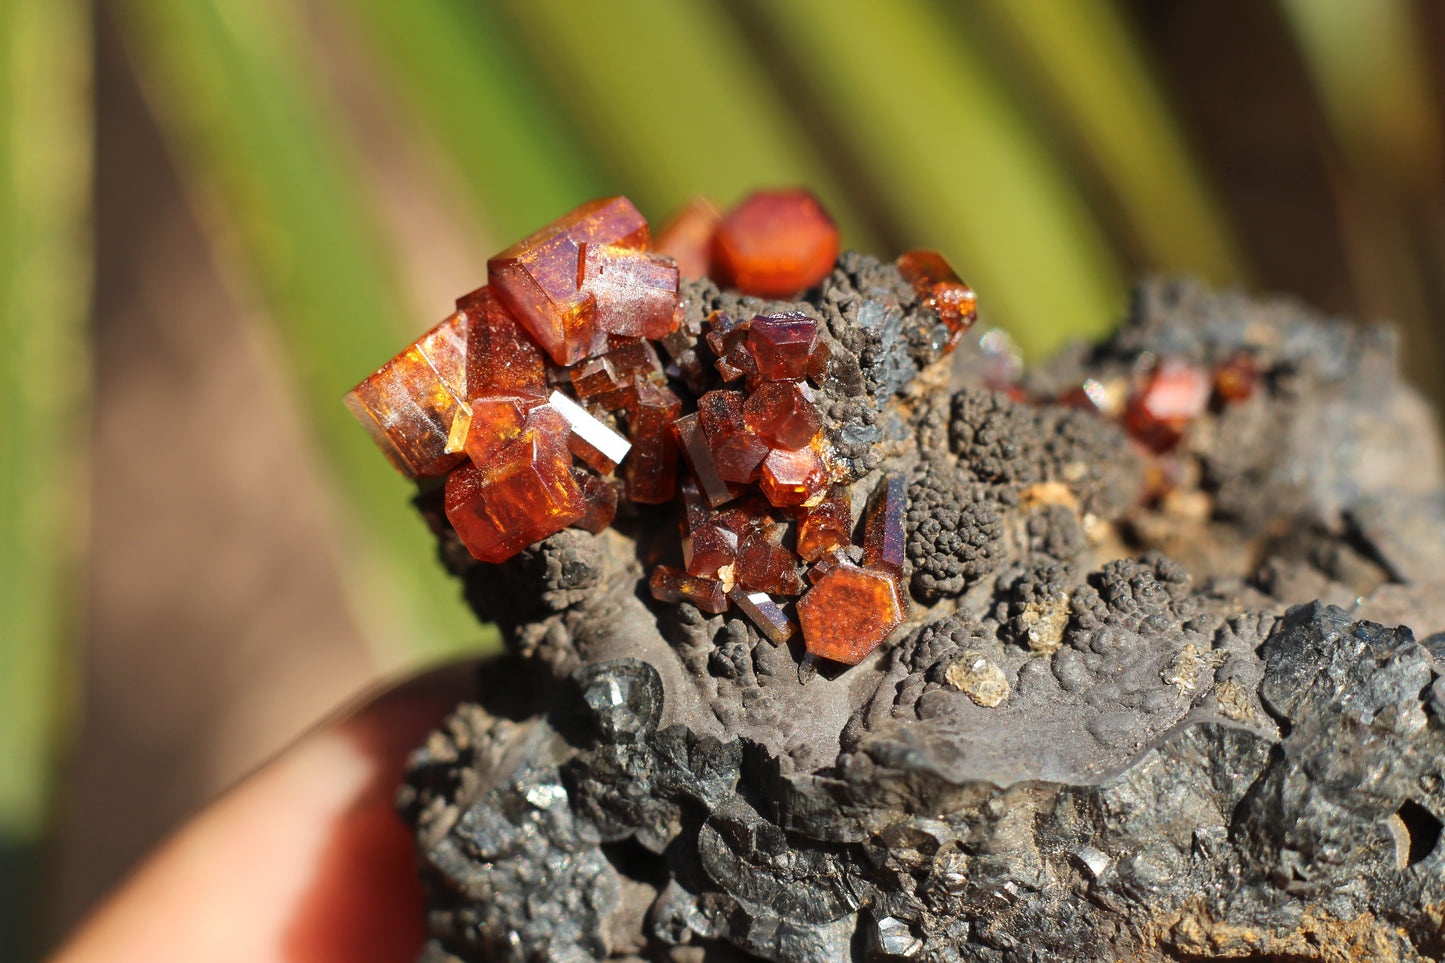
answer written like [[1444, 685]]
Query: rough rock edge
[[1178, 772]]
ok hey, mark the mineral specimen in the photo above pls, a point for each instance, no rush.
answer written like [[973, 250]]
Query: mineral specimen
[[970, 675]]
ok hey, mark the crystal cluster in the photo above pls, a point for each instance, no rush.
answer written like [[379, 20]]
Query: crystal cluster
[[567, 390]]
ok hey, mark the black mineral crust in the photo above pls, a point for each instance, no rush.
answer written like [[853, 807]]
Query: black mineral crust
[[1120, 722]]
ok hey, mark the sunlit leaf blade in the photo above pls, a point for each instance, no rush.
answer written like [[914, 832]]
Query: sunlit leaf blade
[[1093, 78], [673, 103], [471, 86], [955, 161], [231, 83], [45, 138]]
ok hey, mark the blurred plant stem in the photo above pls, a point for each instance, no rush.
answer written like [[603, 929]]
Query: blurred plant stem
[[956, 161], [469, 83], [689, 112], [1366, 61], [1093, 83], [231, 83], [45, 384]]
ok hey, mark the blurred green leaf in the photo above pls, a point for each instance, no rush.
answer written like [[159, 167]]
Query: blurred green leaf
[[956, 161], [674, 104], [45, 140], [470, 83], [1094, 78], [230, 81]]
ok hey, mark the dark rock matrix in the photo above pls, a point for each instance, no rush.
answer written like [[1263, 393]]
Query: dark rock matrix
[[1144, 707]]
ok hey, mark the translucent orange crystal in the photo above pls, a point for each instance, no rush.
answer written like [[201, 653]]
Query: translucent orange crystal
[[826, 526], [783, 414], [782, 345], [634, 291], [792, 478], [501, 356], [764, 566], [775, 244], [848, 612], [409, 404], [940, 289], [526, 495], [699, 455], [673, 585], [539, 277], [738, 452], [652, 463]]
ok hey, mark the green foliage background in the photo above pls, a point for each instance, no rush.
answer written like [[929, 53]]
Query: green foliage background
[[1034, 141]]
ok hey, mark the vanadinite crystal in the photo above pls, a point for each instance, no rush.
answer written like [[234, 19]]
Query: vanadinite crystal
[[408, 406], [940, 289], [539, 278], [546, 404], [1167, 402], [775, 244]]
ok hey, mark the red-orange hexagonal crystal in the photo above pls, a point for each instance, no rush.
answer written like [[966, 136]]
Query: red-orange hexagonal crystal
[[775, 244], [501, 356], [738, 453], [538, 277], [826, 526], [848, 612], [526, 494], [783, 414], [652, 463], [792, 478], [409, 404], [782, 345], [635, 291], [940, 289]]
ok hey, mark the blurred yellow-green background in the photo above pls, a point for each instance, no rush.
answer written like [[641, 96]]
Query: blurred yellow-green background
[[218, 215]]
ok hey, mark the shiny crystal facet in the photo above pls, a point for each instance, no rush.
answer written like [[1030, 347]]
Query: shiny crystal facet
[[498, 421], [940, 289], [528, 494], [538, 277], [783, 414], [792, 478], [826, 526], [652, 464], [883, 532], [673, 585], [764, 613], [783, 345], [634, 291], [699, 455], [1170, 399], [502, 357], [764, 566], [737, 451], [848, 612], [409, 404], [775, 244]]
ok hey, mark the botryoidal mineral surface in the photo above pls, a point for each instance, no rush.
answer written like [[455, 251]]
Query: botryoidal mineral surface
[[1125, 719]]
